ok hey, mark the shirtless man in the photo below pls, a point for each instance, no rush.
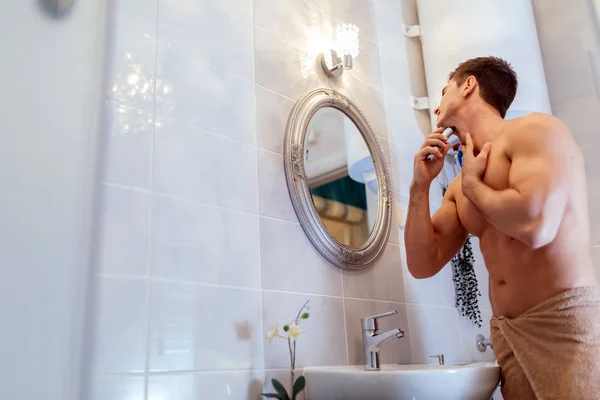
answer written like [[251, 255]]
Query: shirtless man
[[522, 192]]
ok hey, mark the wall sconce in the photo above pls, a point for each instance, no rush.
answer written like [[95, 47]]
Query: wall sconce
[[335, 61]]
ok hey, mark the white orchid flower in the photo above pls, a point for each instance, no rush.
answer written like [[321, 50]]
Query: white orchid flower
[[273, 332], [294, 332]]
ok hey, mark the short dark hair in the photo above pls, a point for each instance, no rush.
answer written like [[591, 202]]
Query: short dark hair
[[496, 78]]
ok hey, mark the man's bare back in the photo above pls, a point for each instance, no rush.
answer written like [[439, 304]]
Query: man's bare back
[[520, 276]]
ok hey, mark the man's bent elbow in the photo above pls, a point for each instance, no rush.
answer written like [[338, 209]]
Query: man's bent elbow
[[420, 274], [420, 269], [539, 234]]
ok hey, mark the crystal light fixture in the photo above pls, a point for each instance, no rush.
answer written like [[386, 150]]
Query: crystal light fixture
[[345, 49], [346, 39]]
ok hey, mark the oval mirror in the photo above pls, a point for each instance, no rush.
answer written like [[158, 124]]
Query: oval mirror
[[337, 179]]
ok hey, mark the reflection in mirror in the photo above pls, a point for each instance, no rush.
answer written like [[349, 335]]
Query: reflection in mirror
[[341, 177]]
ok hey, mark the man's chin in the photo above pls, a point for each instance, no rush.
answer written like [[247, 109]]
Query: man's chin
[[440, 121]]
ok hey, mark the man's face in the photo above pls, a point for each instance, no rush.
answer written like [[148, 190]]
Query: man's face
[[451, 101]]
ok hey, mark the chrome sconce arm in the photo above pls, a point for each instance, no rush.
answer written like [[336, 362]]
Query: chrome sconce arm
[[345, 63]]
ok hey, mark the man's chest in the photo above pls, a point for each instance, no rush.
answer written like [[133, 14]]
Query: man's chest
[[496, 177]]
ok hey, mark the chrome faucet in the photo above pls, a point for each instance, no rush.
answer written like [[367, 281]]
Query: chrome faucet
[[372, 339]]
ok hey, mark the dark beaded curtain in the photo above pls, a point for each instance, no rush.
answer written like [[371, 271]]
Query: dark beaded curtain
[[466, 286]]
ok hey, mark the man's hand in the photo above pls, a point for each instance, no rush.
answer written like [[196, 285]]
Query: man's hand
[[424, 170], [473, 166], [531, 208]]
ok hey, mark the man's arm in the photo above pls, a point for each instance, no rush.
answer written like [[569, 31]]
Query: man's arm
[[431, 242], [531, 209]]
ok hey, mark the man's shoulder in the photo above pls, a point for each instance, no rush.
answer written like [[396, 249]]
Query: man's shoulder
[[537, 122], [536, 127]]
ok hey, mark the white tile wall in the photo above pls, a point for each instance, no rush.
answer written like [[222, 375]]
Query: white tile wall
[[200, 249], [198, 165], [434, 330], [435, 194], [289, 262], [120, 334], [390, 34], [572, 114], [435, 291], [205, 244], [206, 95], [367, 67], [190, 26], [565, 48], [382, 282], [204, 328], [592, 167], [404, 125], [402, 167], [118, 387], [594, 213], [272, 111], [129, 146], [397, 85], [274, 199], [138, 15], [402, 203]]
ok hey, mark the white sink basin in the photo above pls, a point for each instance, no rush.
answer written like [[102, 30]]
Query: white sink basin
[[475, 381]]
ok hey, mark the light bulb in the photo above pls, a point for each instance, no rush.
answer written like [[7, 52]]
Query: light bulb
[[133, 78], [346, 39]]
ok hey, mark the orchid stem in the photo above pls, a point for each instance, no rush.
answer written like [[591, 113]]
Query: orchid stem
[[292, 365], [300, 312]]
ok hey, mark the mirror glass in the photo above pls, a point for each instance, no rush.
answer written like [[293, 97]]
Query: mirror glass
[[341, 176]]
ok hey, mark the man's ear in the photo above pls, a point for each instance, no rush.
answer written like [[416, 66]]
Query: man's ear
[[469, 86]]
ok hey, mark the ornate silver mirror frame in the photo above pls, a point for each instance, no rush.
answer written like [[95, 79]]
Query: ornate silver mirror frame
[[295, 136]]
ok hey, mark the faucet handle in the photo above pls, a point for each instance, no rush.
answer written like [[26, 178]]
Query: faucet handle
[[483, 343], [370, 323]]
